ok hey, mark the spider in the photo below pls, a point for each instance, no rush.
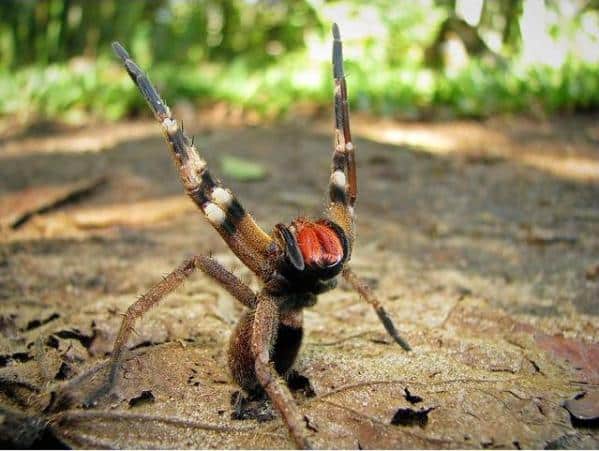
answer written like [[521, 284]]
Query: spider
[[295, 263]]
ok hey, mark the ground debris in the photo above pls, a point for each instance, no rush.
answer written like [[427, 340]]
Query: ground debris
[[411, 417], [300, 383], [412, 399], [539, 236], [584, 409], [504, 334], [145, 397], [582, 357], [18, 207], [251, 407], [592, 272]]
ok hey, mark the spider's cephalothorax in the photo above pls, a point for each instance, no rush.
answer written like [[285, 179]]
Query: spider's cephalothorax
[[295, 263]]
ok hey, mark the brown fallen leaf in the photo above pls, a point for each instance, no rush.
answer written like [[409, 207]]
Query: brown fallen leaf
[[538, 236], [493, 385], [81, 221], [592, 272], [584, 407], [584, 357], [137, 213], [17, 207]]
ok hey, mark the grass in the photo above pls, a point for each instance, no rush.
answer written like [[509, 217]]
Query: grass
[[81, 89]]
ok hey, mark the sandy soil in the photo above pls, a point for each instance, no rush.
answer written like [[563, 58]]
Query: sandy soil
[[481, 239]]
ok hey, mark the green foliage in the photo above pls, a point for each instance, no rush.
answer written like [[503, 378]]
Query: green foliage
[[241, 169], [103, 89], [56, 63]]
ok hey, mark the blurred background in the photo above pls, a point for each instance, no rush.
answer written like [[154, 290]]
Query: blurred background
[[412, 60], [476, 124]]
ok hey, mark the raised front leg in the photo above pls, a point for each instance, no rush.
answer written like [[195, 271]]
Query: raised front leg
[[237, 227], [343, 186], [158, 292], [264, 335]]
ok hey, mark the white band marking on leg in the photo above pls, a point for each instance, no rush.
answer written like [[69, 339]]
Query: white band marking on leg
[[214, 214], [170, 125], [338, 178], [222, 197]]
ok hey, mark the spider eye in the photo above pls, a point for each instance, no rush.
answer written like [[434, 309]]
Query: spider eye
[[319, 244]]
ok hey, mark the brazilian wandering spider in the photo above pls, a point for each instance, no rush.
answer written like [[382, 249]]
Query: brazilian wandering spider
[[295, 263]]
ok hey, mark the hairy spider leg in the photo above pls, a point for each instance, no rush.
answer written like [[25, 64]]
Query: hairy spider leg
[[286, 345], [265, 327], [222, 209], [154, 295], [365, 292], [262, 349], [343, 187]]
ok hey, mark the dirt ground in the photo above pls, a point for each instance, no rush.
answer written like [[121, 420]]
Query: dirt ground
[[480, 238]]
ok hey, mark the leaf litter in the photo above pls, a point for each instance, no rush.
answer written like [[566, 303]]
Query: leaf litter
[[504, 334]]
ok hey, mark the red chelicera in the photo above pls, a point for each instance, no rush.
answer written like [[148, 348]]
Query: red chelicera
[[320, 245]]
